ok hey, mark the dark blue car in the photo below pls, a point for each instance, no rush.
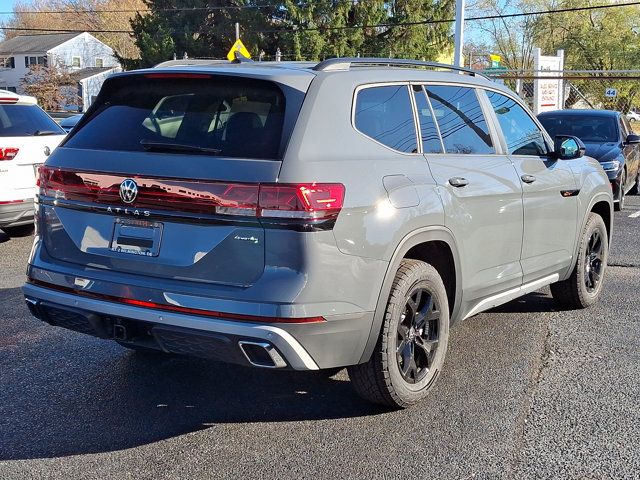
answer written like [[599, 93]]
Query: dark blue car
[[608, 138]]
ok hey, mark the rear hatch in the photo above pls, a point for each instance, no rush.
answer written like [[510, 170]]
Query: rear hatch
[[162, 176], [27, 136]]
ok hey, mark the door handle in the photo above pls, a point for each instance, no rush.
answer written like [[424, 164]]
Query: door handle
[[528, 178], [458, 182]]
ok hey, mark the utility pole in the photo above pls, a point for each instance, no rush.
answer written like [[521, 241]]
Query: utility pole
[[237, 31], [459, 34]]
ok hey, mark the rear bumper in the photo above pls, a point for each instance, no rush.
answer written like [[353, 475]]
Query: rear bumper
[[337, 342], [15, 214]]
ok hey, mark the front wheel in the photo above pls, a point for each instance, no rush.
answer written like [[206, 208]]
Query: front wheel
[[635, 190], [412, 343], [583, 287], [619, 205]]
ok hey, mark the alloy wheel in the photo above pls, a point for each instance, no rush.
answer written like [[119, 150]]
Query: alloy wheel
[[417, 335], [594, 262]]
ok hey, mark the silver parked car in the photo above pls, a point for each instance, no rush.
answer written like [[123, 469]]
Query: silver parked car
[[311, 217]]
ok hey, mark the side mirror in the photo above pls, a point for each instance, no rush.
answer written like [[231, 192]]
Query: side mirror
[[631, 138], [567, 147]]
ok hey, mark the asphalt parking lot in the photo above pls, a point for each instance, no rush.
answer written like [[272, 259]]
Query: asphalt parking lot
[[527, 392]]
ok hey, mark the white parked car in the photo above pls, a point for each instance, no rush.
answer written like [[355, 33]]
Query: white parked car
[[633, 116], [27, 136]]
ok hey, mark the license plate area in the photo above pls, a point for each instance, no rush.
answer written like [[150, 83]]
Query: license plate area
[[136, 237]]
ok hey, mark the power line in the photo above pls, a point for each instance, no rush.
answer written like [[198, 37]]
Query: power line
[[180, 9], [342, 27]]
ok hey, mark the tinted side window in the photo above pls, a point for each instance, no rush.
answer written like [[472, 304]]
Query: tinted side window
[[521, 133], [385, 114], [428, 131], [460, 118], [623, 127], [25, 121]]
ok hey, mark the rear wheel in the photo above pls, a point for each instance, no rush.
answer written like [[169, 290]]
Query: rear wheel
[[583, 287], [412, 344]]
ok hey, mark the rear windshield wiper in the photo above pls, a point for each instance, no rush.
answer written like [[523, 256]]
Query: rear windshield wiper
[[40, 133], [176, 147]]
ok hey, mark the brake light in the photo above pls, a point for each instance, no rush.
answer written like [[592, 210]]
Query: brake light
[[296, 201], [177, 75], [8, 100], [307, 200], [8, 153]]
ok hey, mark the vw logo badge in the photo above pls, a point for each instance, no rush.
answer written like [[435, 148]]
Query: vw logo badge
[[128, 190]]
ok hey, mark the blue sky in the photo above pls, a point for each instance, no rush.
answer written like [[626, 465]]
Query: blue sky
[[6, 6]]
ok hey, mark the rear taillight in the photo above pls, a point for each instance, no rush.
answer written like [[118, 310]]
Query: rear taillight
[[306, 200], [267, 200], [8, 153]]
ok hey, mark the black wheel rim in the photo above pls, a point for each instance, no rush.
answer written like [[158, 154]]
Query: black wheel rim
[[594, 261], [417, 335]]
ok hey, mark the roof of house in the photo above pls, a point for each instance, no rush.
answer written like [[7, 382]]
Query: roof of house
[[34, 43], [88, 72]]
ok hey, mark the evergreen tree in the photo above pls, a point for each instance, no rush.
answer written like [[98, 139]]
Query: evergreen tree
[[302, 30]]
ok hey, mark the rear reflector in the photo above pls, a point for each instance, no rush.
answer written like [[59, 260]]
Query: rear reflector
[[178, 309], [268, 200], [8, 153]]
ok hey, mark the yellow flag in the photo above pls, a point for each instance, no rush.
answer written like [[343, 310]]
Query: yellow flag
[[238, 47]]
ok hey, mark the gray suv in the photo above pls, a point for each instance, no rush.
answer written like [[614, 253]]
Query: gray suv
[[311, 217]]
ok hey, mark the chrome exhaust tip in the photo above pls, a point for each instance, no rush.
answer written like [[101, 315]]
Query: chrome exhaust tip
[[261, 354]]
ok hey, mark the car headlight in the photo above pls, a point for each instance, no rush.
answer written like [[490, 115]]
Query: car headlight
[[611, 166]]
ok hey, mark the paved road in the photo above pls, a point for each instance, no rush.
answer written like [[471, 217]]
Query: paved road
[[528, 392]]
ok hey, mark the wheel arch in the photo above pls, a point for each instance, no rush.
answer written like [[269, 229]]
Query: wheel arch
[[422, 244], [601, 204]]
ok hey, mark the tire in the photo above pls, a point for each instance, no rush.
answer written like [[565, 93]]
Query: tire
[[635, 190], [619, 205], [413, 337], [582, 289], [19, 231]]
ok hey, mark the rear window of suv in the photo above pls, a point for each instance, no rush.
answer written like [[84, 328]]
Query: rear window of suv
[[26, 121], [226, 116]]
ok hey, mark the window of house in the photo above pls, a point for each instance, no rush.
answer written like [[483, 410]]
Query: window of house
[[7, 62], [385, 114], [99, 62], [75, 61], [463, 128], [29, 61], [521, 133]]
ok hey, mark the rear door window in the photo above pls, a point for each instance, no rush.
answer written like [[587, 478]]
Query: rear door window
[[463, 128], [521, 133], [428, 130], [385, 114], [26, 121], [232, 117]]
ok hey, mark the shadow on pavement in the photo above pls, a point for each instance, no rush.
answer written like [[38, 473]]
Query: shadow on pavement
[[63, 393]]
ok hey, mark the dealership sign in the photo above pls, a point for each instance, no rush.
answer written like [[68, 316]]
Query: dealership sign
[[548, 93]]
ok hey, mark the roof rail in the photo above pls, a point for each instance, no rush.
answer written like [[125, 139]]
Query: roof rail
[[335, 64]]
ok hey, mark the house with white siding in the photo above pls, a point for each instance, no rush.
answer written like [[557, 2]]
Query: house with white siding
[[84, 57]]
